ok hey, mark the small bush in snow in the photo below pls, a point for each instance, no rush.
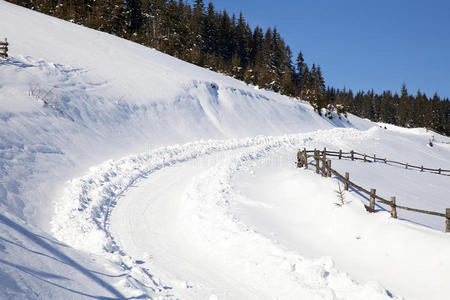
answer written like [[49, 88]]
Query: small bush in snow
[[47, 96], [340, 195]]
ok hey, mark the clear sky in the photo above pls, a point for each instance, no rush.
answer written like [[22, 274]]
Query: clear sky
[[363, 44]]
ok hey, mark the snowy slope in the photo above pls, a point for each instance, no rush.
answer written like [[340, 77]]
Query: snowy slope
[[116, 98], [117, 178]]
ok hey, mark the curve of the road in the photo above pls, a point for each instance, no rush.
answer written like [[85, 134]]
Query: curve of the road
[[176, 235]]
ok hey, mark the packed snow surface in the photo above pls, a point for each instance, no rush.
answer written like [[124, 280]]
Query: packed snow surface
[[126, 173]]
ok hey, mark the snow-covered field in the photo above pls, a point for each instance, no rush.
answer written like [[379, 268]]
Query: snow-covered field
[[126, 173]]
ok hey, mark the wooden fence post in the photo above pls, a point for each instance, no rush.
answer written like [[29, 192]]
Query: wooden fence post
[[324, 162], [316, 157], [347, 178], [421, 169], [374, 158], [299, 159], [372, 200], [365, 157], [305, 155], [340, 153], [406, 165], [439, 171], [393, 208], [352, 155], [4, 48], [385, 160], [447, 220], [329, 167]]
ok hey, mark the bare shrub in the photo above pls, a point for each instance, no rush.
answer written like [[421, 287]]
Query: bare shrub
[[340, 194], [46, 95]]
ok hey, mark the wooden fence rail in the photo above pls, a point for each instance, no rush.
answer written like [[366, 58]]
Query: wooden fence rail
[[367, 158], [323, 165], [4, 49]]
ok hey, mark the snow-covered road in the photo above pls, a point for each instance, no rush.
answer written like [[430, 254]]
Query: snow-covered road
[[234, 219], [157, 214], [179, 219]]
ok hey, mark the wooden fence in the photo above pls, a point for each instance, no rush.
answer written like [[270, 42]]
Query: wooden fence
[[4, 49], [323, 166]]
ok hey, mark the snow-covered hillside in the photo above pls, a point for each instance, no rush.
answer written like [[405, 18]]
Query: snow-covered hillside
[[127, 173]]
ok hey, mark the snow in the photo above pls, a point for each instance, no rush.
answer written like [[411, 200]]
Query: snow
[[126, 173], [405, 257]]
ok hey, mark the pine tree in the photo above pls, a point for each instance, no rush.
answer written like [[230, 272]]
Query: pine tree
[[287, 83], [225, 38], [313, 89], [134, 15], [235, 67], [403, 111], [299, 75], [307, 83], [198, 22], [209, 31], [265, 69], [320, 87], [243, 41]]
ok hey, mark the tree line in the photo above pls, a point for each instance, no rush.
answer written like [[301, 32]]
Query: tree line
[[402, 109], [202, 35]]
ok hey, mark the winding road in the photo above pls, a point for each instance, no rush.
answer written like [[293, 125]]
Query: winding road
[[202, 221]]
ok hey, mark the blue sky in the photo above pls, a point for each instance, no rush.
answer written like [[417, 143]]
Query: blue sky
[[363, 44]]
